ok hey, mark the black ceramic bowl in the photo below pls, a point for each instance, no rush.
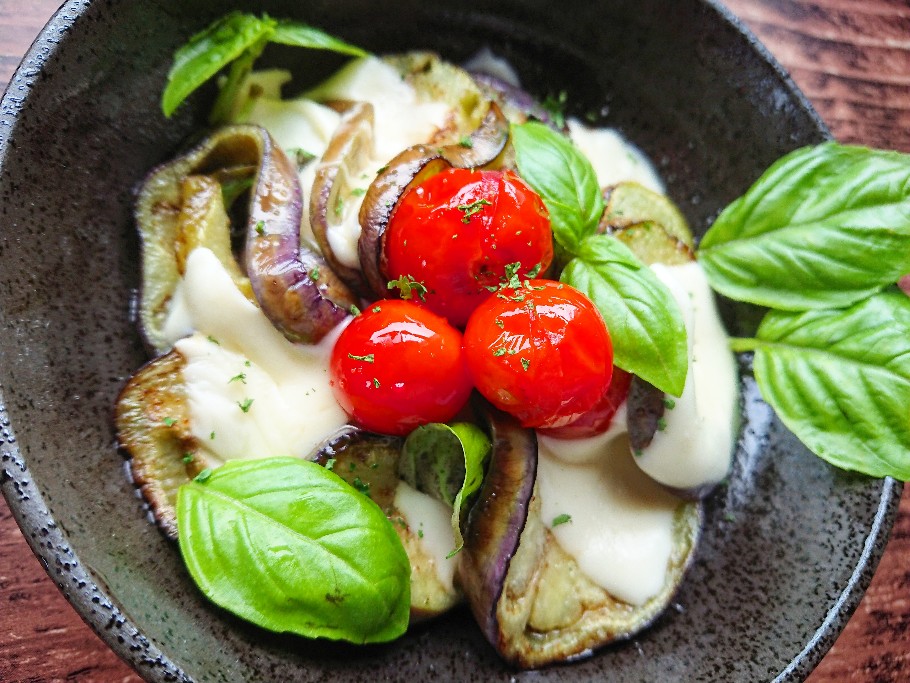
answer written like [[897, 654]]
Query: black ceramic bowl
[[790, 543]]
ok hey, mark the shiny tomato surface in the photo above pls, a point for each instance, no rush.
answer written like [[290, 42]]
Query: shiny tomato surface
[[457, 231], [541, 352], [398, 365], [598, 419]]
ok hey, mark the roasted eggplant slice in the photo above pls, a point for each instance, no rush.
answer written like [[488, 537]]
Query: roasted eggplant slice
[[411, 167], [630, 203], [497, 521], [178, 210], [517, 105], [653, 244], [295, 287], [531, 599], [348, 155], [181, 206], [153, 427]]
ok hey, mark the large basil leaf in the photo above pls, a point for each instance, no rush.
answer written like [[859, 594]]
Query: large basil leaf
[[446, 462], [208, 52], [287, 545], [646, 326], [840, 380], [824, 227], [564, 179]]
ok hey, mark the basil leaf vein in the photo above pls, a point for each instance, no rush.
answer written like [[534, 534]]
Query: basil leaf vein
[[824, 227], [645, 323], [563, 177], [840, 381], [288, 546], [446, 462]]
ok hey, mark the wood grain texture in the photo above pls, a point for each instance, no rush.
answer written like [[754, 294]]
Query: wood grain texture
[[851, 57]]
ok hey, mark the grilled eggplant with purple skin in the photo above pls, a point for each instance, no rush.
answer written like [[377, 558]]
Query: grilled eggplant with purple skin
[[181, 206], [532, 602], [409, 168]]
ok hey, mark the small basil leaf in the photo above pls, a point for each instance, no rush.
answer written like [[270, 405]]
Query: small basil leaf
[[840, 381], [446, 462], [564, 179], [646, 326], [288, 546], [824, 227], [208, 52], [294, 33]]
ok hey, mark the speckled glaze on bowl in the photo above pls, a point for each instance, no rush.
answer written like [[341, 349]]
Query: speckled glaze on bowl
[[790, 544]]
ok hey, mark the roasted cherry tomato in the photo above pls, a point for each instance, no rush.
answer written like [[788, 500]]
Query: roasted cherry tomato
[[398, 365], [457, 231], [599, 418], [540, 352]]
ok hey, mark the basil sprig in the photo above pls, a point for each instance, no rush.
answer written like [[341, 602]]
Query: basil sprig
[[289, 546], [563, 177], [447, 463], [820, 238], [237, 39], [646, 326], [824, 227], [840, 380]]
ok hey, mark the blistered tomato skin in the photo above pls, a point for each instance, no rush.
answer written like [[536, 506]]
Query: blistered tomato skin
[[398, 365], [457, 231], [541, 353]]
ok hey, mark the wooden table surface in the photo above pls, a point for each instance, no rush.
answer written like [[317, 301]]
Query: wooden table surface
[[852, 59]]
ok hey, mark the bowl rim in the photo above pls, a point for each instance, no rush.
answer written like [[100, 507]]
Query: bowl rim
[[100, 610]]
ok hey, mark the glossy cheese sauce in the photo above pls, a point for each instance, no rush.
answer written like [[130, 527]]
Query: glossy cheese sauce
[[251, 392], [696, 446]]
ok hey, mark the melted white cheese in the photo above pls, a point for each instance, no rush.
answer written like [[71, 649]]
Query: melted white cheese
[[292, 407], [401, 119], [614, 158], [622, 523], [433, 519], [621, 527], [696, 446]]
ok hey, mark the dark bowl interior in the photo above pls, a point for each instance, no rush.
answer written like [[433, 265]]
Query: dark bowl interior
[[790, 543]]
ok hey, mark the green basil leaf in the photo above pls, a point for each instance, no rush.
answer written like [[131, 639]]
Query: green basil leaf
[[288, 32], [645, 323], [208, 52], [287, 545], [446, 462], [840, 381], [563, 177], [824, 227]]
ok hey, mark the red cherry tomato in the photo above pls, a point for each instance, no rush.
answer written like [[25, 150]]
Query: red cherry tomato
[[398, 365], [541, 353], [457, 231], [600, 417]]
